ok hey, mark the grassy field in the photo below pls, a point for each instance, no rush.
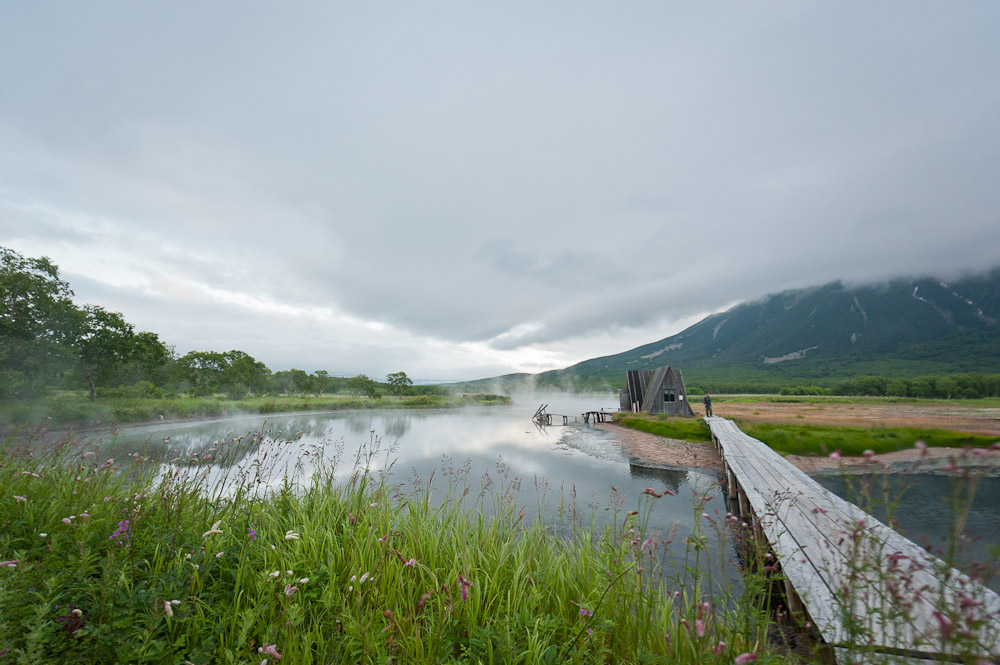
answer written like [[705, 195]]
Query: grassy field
[[107, 562], [804, 439], [74, 408], [854, 441]]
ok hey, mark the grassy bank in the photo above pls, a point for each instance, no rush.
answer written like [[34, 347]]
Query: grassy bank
[[687, 429], [854, 441], [73, 408], [811, 439], [105, 563]]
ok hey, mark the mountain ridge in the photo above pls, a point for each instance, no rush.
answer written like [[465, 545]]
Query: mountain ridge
[[821, 334]]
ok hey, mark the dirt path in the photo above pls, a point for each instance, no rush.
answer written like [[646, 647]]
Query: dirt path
[[660, 450], [933, 415]]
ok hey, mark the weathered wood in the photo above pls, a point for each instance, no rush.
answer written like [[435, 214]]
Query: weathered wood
[[858, 579]]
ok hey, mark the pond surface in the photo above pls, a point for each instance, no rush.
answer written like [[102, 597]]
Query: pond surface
[[924, 507], [562, 466], [573, 465]]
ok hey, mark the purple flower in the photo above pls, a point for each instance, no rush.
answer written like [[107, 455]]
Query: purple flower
[[252, 534], [745, 658], [122, 533], [465, 587]]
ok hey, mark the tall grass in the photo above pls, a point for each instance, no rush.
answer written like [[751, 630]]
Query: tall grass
[[145, 561], [74, 408]]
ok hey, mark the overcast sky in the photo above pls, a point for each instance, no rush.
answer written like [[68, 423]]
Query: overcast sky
[[460, 190]]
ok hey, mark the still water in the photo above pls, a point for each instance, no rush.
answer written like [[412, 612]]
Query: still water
[[575, 465]]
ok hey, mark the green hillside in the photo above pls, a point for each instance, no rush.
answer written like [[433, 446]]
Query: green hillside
[[816, 336]]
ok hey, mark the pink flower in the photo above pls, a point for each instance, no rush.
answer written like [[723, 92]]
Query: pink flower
[[744, 658], [20, 499], [465, 587], [920, 445], [290, 590], [719, 648], [699, 628], [411, 562], [9, 564], [270, 650], [835, 454]]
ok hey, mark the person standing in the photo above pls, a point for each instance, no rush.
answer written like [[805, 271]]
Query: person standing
[[708, 405]]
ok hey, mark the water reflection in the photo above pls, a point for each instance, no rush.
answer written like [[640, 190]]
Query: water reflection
[[552, 471]]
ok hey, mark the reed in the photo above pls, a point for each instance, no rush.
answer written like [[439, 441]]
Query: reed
[[294, 553]]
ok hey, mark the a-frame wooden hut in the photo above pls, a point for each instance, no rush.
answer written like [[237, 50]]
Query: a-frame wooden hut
[[658, 390]]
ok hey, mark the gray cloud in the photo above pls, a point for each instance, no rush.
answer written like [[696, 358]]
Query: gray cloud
[[481, 182]]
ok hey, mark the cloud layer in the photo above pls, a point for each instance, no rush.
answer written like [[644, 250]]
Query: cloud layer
[[459, 190]]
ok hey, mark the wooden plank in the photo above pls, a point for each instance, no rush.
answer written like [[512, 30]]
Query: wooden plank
[[820, 539]]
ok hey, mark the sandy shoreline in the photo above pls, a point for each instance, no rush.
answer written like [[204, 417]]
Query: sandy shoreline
[[660, 451]]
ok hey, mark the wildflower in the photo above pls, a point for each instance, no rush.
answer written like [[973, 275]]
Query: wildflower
[[215, 529], [85, 515], [646, 543], [291, 535], [275, 574], [411, 563], [252, 534], [42, 535], [20, 499], [167, 609], [67, 520], [835, 454], [219, 555], [270, 650], [76, 612], [122, 533], [868, 454], [290, 590], [363, 578], [465, 587], [584, 612], [719, 648], [920, 445], [744, 658], [10, 564], [699, 628]]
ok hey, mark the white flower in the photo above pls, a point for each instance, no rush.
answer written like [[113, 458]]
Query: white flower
[[214, 529], [275, 573], [303, 580], [291, 535], [219, 555], [42, 535], [167, 609], [363, 578]]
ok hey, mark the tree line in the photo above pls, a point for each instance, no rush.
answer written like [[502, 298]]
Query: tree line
[[47, 342], [948, 386]]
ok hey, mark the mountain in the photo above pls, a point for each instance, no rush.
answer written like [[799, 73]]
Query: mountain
[[819, 335]]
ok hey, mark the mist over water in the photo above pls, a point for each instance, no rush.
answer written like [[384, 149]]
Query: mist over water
[[558, 471]]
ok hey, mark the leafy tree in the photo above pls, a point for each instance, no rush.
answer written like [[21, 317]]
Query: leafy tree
[[361, 384], [399, 381], [37, 320], [110, 352], [321, 382]]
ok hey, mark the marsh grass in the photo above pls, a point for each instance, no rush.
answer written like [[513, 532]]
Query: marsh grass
[[147, 560], [854, 441], [74, 408]]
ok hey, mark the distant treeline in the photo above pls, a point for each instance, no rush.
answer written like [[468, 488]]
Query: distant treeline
[[49, 343], [950, 386]]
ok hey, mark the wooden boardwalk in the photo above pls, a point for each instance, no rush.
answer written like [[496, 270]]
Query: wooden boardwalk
[[872, 594]]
